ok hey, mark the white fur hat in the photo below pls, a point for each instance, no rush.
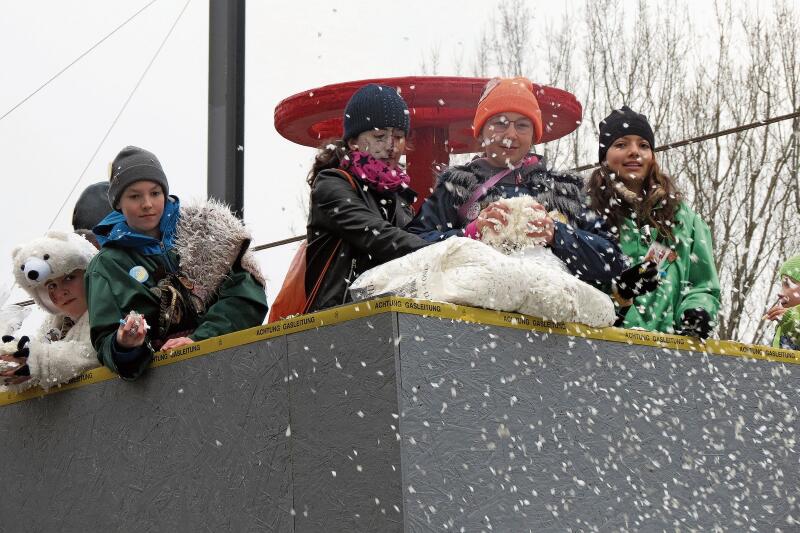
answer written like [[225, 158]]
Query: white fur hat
[[55, 255]]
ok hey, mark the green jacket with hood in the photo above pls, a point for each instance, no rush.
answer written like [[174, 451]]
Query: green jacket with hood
[[120, 277], [690, 280]]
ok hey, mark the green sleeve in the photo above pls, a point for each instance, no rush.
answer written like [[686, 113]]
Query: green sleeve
[[104, 315], [789, 326], [702, 289], [241, 304], [109, 302]]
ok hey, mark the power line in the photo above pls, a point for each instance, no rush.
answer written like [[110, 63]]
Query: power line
[[63, 70], [122, 110], [662, 148]]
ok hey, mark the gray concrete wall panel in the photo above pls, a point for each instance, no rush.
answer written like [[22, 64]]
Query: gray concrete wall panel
[[344, 417], [519, 431], [191, 447]]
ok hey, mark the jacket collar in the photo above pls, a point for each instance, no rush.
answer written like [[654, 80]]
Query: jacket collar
[[114, 230]]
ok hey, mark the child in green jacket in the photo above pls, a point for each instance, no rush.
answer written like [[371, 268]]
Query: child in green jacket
[[787, 310], [166, 275], [654, 226]]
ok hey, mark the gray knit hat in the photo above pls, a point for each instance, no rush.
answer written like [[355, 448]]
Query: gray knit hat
[[134, 164]]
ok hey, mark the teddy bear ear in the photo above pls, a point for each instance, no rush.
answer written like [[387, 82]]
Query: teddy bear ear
[[57, 234], [15, 252]]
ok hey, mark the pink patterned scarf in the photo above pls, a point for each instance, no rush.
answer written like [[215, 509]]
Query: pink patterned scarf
[[374, 172]]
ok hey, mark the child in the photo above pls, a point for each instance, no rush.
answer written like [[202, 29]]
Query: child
[[508, 122], [360, 199], [787, 333], [51, 270], [653, 224], [186, 270]]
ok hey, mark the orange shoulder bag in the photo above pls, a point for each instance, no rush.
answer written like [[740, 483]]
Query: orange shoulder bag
[[293, 299]]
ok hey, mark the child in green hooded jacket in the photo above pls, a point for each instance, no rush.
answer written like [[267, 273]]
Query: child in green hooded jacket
[[167, 275], [787, 310]]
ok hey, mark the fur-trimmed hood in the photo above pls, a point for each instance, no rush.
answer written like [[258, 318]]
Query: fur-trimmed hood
[[557, 191], [208, 226]]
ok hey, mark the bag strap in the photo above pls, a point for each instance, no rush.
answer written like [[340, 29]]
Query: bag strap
[[318, 284], [482, 189], [345, 174]]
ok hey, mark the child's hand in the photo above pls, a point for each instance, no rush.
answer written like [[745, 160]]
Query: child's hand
[[132, 331], [177, 342], [542, 228], [775, 312], [492, 216], [10, 364], [14, 366]]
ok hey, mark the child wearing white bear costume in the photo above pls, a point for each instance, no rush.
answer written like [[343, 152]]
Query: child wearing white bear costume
[[51, 270]]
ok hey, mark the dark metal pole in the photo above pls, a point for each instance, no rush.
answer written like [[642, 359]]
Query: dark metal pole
[[226, 102]]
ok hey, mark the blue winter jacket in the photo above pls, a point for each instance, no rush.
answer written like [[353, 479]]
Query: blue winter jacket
[[581, 240]]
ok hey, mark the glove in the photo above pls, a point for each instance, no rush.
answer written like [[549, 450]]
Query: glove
[[696, 323], [22, 351], [637, 280]]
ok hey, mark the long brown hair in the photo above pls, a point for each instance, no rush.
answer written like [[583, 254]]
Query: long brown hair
[[660, 200], [330, 155]]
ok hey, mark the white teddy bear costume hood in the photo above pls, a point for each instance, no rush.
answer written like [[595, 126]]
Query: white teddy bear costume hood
[[55, 255], [55, 357]]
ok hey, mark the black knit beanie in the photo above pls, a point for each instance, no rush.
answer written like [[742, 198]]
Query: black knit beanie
[[134, 164], [92, 206], [375, 106], [622, 122]]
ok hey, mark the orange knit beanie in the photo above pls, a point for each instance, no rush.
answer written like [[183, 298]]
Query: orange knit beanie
[[505, 95]]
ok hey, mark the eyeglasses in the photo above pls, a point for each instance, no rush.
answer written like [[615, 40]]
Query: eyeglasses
[[521, 125]]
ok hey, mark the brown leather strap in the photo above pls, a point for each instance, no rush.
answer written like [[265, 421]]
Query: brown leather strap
[[313, 295]]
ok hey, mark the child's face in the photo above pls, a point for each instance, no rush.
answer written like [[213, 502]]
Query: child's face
[[790, 292], [507, 138], [387, 144], [67, 294], [142, 203]]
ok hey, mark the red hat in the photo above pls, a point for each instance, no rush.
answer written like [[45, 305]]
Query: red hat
[[504, 95]]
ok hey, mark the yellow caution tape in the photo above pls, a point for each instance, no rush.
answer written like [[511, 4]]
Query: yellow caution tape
[[441, 310]]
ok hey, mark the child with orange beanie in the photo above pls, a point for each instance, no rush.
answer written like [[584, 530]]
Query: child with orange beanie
[[508, 122]]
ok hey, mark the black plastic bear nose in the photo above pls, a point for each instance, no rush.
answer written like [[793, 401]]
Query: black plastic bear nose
[[32, 274]]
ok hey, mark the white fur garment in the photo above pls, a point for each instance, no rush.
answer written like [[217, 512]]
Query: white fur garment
[[52, 363], [464, 271]]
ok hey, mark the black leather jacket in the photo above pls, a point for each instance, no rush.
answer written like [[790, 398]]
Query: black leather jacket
[[369, 224]]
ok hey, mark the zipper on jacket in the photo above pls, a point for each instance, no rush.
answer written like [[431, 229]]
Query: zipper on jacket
[[349, 279], [167, 260]]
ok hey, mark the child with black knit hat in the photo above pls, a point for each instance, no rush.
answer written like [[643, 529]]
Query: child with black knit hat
[[360, 197], [653, 226]]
